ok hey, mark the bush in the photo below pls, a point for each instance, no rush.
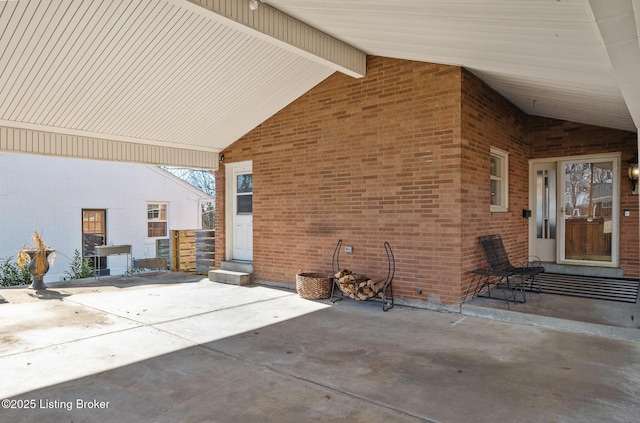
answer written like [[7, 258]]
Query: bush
[[80, 267], [11, 274]]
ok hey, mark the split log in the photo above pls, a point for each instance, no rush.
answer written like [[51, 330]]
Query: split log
[[342, 273], [359, 287], [363, 296], [378, 284]]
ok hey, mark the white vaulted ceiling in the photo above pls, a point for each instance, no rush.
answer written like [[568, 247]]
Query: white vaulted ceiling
[[194, 76], [547, 56], [150, 72]]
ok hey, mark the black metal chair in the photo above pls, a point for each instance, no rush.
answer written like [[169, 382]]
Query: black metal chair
[[499, 266]]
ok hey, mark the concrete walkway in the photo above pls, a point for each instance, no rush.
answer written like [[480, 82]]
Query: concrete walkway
[[146, 349]]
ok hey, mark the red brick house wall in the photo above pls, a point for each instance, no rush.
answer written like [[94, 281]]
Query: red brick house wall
[[402, 156], [490, 120]]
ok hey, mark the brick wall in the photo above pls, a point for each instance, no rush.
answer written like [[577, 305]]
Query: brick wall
[[402, 156], [489, 120], [364, 160]]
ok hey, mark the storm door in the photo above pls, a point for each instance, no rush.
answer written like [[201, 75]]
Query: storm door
[[588, 218]]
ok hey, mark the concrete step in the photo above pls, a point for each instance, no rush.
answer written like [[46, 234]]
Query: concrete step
[[237, 266], [230, 277], [566, 269]]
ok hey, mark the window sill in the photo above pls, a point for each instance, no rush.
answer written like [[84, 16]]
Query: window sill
[[497, 209]]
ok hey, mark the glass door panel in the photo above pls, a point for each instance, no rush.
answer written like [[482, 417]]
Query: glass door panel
[[543, 238], [589, 211]]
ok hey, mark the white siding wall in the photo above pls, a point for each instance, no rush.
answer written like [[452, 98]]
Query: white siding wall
[[47, 194]]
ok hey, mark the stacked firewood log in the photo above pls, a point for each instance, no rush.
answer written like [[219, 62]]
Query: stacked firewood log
[[359, 287]]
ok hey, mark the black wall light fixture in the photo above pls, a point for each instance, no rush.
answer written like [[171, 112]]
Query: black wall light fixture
[[633, 172]]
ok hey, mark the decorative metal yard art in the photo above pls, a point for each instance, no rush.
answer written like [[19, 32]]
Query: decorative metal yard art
[[37, 259]]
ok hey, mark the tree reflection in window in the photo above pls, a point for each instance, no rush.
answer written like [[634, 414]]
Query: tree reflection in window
[[588, 187]]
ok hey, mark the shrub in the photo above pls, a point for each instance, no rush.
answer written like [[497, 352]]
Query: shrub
[[11, 274], [80, 267]]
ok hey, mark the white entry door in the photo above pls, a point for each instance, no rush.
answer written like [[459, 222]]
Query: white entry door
[[239, 182]]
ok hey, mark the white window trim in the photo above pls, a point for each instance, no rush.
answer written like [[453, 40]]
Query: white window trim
[[504, 200]]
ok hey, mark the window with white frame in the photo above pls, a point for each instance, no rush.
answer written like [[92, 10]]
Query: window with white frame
[[156, 220], [499, 180]]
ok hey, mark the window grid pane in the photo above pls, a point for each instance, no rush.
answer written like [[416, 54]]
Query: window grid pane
[[245, 204], [154, 211], [156, 229], [495, 193], [495, 166]]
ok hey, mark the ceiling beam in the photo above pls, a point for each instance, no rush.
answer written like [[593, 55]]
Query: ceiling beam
[[277, 28], [617, 24]]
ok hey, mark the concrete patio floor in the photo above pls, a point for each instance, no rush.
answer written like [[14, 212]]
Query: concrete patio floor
[[613, 319], [179, 348]]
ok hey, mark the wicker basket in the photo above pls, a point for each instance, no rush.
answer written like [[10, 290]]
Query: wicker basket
[[313, 286]]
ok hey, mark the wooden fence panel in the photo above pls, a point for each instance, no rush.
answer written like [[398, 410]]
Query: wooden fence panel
[[193, 250]]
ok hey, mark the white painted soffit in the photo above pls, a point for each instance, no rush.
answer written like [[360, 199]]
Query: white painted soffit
[[618, 23], [170, 74]]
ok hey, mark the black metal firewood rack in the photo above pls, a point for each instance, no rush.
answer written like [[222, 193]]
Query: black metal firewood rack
[[360, 288]]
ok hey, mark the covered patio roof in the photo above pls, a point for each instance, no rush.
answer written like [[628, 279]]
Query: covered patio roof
[[174, 82]]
